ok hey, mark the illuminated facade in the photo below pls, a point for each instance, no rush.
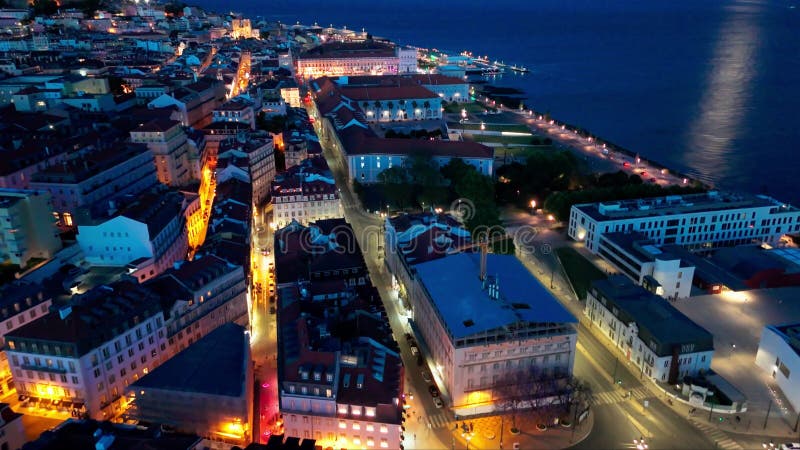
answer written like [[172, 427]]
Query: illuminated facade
[[479, 332], [355, 58], [342, 389], [696, 221], [661, 341], [20, 303], [167, 141], [82, 356], [255, 155], [305, 193], [206, 389]]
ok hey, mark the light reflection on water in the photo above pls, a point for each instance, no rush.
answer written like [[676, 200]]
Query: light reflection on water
[[728, 90]]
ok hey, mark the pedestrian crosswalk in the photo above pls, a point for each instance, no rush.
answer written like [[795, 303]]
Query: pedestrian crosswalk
[[721, 440], [618, 396], [438, 420]]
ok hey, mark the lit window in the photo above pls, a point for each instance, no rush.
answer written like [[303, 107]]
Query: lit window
[[370, 427], [342, 409], [356, 426], [384, 429], [342, 424]]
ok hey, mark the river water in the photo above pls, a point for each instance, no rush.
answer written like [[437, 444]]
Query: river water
[[709, 87]]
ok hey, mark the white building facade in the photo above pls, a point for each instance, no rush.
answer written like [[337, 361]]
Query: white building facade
[[659, 271], [695, 221], [662, 342], [779, 356]]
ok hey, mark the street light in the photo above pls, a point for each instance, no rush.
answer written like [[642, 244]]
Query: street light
[[640, 443]]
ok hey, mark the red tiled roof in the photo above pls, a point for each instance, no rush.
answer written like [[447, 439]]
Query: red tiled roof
[[386, 92]]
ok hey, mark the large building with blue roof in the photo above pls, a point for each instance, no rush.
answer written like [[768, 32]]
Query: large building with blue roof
[[485, 324]]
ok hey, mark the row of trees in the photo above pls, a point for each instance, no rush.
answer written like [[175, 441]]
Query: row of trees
[[420, 183], [543, 172], [559, 203], [540, 392]]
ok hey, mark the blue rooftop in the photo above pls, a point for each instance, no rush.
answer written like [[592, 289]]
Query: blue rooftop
[[465, 305]]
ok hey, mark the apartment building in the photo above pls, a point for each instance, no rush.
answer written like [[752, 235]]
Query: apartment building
[[305, 193], [83, 355], [97, 178], [167, 141], [27, 227], [660, 340]]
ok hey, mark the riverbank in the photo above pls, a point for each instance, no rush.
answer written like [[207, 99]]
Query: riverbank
[[588, 145]]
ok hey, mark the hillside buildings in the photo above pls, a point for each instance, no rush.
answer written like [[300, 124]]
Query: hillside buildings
[[660, 340]]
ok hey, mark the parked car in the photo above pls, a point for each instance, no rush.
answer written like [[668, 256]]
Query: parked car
[[433, 390], [414, 350], [426, 376], [438, 402], [409, 337]]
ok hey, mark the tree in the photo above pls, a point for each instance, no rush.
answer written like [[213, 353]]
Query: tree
[[44, 7], [174, 8], [427, 106]]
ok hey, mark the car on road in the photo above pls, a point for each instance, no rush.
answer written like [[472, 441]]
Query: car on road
[[272, 310], [438, 402], [790, 446], [409, 337], [426, 376], [433, 390], [414, 350]]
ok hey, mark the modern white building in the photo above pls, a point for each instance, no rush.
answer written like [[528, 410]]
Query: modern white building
[[27, 227], [83, 355], [779, 356], [649, 265], [150, 233], [660, 340], [305, 193], [483, 322], [696, 221]]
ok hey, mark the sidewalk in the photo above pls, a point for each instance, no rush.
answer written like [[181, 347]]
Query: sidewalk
[[486, 433]]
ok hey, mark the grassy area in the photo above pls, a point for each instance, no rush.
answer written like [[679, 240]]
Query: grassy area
[[505, 140], [471, 107], [581, 271], [516, 128]]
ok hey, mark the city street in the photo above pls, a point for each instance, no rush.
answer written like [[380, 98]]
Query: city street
[[263, 338]]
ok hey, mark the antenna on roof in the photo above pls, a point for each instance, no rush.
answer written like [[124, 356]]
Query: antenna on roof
[[484, 250]]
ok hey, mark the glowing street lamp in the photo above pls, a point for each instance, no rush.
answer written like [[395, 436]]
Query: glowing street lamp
[[533, 204]]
